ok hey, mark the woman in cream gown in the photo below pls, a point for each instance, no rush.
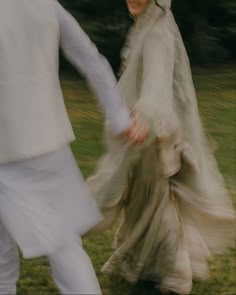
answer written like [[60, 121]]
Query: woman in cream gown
[[176, 210]]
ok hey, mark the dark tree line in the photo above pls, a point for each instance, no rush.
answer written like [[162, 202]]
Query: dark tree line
[[207, 26]]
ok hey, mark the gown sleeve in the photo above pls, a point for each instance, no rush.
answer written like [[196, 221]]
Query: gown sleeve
[[156, 101]]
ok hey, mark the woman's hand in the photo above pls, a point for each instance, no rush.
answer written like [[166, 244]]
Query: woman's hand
[[138, 131]]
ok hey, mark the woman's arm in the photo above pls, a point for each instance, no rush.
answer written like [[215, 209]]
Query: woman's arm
[[156, 101], [83, 54]]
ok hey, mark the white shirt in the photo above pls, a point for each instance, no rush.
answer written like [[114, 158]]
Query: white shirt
[[33, 118]]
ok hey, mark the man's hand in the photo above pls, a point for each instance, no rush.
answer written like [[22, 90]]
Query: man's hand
[[138, 131]]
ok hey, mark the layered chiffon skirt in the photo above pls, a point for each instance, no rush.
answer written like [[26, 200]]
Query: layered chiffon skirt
[[169, 228]]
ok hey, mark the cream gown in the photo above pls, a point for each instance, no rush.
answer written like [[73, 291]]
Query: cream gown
[[176, 210]]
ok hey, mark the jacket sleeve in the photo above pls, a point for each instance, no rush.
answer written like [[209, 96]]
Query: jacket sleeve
[[83, 54]]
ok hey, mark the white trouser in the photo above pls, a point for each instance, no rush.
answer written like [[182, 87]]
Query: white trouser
[[72, 269], [9, 263]]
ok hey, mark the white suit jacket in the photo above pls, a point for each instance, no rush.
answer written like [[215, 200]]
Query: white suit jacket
[[33, 118]]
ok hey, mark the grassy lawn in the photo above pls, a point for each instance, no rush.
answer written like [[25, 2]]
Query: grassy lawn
[[217, 102]]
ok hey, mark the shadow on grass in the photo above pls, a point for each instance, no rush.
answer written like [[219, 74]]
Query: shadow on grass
[[144, 288], [119, 286]]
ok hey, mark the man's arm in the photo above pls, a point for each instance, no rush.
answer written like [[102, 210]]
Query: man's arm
[[83, 54]]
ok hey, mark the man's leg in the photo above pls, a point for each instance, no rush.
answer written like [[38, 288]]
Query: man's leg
[[72, 270], [9, 263]]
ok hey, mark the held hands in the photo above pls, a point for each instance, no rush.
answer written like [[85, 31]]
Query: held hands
[[138, 131]]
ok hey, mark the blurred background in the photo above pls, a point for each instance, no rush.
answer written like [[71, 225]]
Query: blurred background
[[208, 28]]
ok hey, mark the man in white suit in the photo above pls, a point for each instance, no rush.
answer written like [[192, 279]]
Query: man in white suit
[[45, 204]]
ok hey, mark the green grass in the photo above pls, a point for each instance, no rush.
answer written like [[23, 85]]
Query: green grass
[[217, 103]]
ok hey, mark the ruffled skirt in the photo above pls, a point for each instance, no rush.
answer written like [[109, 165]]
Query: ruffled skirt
[[169, 230]]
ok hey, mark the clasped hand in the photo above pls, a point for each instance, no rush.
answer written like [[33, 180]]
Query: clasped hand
[[138, 130]]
